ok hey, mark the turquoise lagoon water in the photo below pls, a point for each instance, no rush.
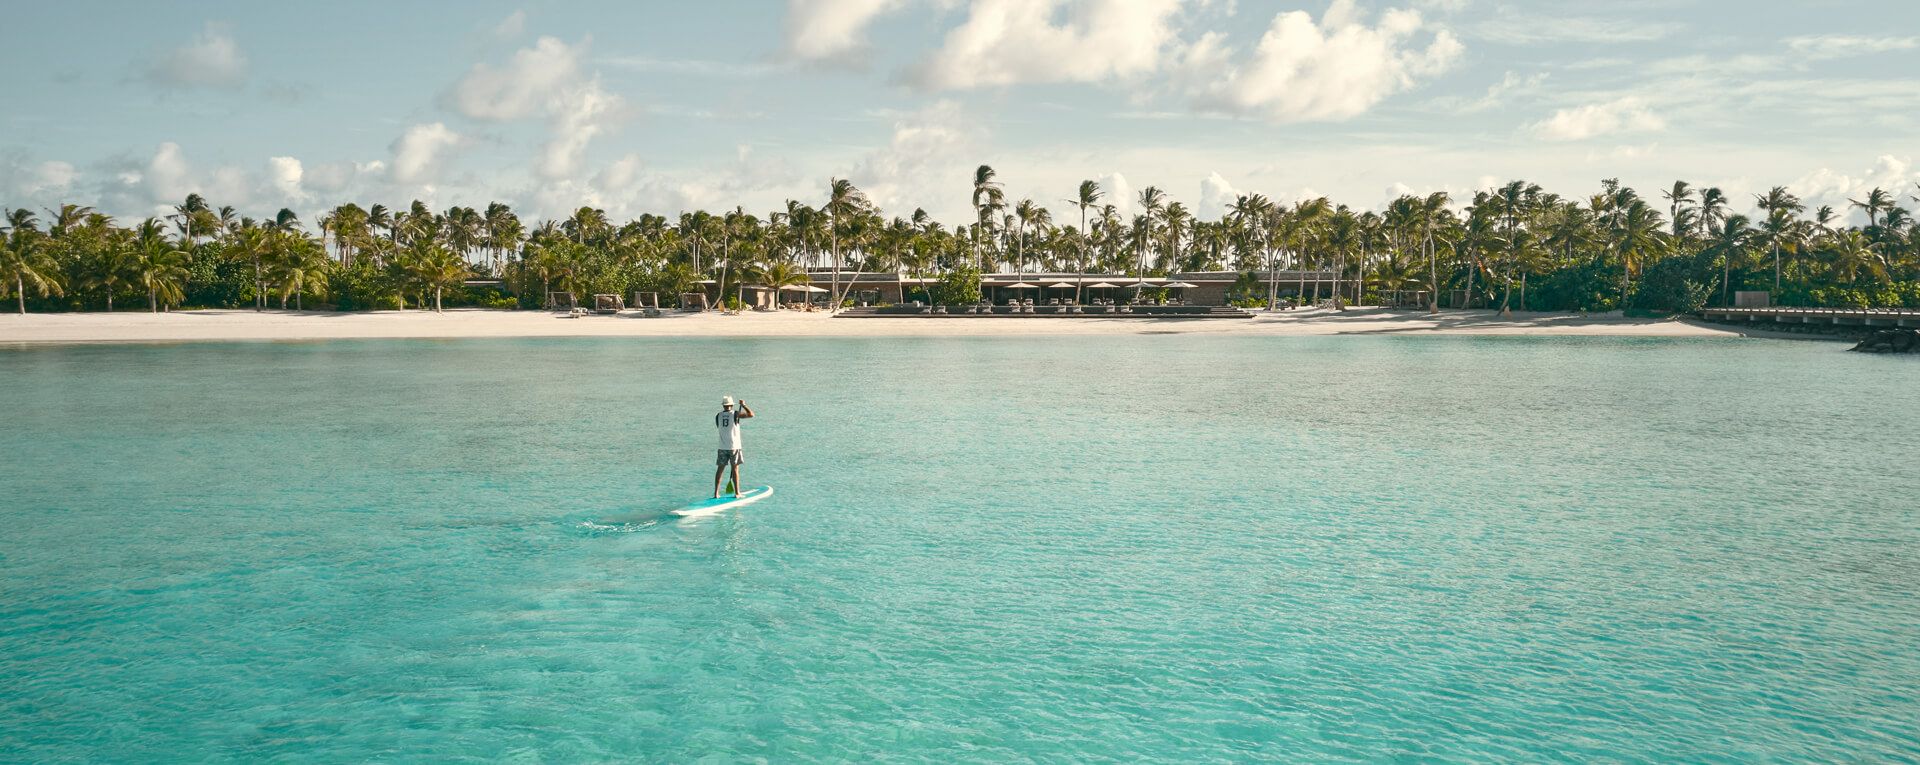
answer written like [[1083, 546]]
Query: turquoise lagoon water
[[994, 549]]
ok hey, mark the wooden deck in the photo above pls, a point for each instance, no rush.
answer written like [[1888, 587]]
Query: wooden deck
[[1048, 312], [1843, 317]]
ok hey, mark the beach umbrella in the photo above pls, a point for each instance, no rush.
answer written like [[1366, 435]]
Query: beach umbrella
[[1020, 286], [796, 288], [1179, 285], [1061, 286], [1101, 286]]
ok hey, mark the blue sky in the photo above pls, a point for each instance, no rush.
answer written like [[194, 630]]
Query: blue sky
[[658, 107]]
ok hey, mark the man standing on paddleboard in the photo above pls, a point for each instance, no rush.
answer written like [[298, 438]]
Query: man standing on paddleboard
[[728, 422]]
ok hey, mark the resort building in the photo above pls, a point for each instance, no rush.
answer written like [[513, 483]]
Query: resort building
[[1207, 288]]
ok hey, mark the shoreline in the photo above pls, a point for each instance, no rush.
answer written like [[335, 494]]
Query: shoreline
[[228, 325]]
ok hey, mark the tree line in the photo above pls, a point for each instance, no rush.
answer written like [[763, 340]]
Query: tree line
[[1513, 247]]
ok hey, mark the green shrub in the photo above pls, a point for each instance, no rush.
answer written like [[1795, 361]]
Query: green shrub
[[960, 286], [1670, 287]]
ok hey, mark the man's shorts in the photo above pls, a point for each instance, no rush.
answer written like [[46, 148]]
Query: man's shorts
[[730, 457]]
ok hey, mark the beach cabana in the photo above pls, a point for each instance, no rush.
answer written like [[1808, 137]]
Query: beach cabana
[[1018, 286]]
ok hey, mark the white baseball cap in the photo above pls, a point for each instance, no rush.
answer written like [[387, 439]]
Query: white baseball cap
[[726, 401]]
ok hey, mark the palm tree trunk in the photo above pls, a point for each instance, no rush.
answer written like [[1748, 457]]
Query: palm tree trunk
[[1081, 260], [1340, 266], [1300, 271], [153, 301], [1433, 279], [1273, 280], [20, 291], [1523, 290], [436, 300], [1727, 281], [1470, 269], [1625, 273]]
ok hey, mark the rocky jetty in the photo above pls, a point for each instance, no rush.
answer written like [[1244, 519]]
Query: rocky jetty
[[1891, 341]]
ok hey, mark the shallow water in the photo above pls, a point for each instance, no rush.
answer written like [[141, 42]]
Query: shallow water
[[1084, 549]]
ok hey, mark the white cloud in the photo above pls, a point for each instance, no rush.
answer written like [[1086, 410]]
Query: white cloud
[[926, 160], [1823, 47], [514, 25], [419, 153], [1007, 42], [579, 115], [823, 30], [51, 177], [285, 174], [334, 177], [1624, 115], [1497, 94], [1829, 187], [543, 80], [1118, 192], [168, 174], [620, 175], [29, 183], [138, 190], [1216, 194], [526, 86], [212, 59], [1510, 26], [1334, 70]]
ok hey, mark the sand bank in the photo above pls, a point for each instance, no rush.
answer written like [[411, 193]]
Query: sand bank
[[187, 326]]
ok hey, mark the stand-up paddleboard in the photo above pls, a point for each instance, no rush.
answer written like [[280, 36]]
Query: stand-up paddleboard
[[724, 501]]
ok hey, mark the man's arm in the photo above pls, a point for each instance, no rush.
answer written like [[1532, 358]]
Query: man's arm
[[745, 413]]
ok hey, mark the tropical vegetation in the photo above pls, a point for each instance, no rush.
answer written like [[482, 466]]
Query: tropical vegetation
[[1516, 247]]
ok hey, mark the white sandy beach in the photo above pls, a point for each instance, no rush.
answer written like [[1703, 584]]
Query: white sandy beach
[[187, 326]]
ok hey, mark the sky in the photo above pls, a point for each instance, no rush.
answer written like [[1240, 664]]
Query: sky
[[665, 107]]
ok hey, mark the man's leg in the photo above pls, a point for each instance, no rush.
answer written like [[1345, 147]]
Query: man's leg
[[718, 472], [736, 479]]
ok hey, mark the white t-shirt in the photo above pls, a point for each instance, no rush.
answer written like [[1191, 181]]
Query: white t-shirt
[[729, 425]]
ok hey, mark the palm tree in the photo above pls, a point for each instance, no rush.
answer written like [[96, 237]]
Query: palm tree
[[780, 275], [115, 264], [1713, 211], [1088, 196], [1431, 214], [1177, 224], [1781, 207], [1729, 245], [504, 232], [300, 266], [379, 217], [191, 215], [1852, 252], [1026, 214], [844, 203], [987, 199], [1878, 201], [25, 262], [1255, 217], [437, 268], [160, 267], [1153, 202], [1679, 199], [1639, 239]]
